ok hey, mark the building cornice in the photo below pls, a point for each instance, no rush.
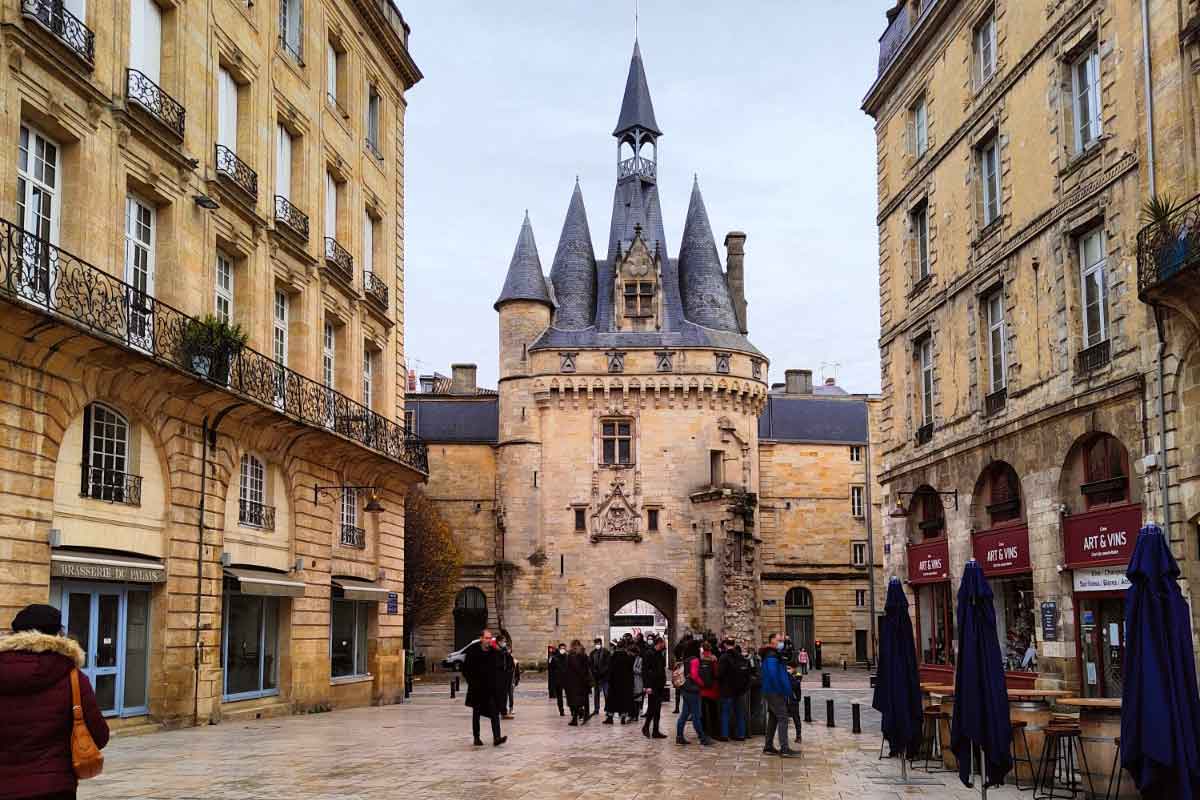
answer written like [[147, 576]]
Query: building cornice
[[912, 48], [391, 31]]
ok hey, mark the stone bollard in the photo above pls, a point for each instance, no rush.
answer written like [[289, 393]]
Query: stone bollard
[[807, 708], [829, 713], [856, 716]]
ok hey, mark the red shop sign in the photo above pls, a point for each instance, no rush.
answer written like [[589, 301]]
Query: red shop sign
[[1003, 551], [1101, 538], [929, 562]]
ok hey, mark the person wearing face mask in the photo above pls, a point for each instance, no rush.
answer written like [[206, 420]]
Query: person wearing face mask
[[484, 671], [558, 675], [654, 677], [507, 677], [600, 660], [776, 690]]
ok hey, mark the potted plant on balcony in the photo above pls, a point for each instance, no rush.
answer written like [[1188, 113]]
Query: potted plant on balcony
[[1169, 233], [210, 345]]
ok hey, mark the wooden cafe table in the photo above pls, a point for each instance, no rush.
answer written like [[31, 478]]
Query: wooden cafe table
[[1031, 706], [1099, 726]]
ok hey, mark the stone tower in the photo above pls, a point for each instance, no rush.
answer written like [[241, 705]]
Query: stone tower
[[629, 398]]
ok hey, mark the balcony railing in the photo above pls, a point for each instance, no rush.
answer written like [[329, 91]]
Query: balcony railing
[[374, 148], [339, 259], [65, 26], [295, 219], [37, 274], [150, 97], [375, 288], [1094, 357], [354, 536], [1164, 249], [236, 171], [256, 515], [636, 165], [111, 486], [994, 403], [924, 434]]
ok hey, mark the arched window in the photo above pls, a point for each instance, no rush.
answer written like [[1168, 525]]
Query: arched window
[[471, 599], [470, 616], [106, 457], [252, 495], [798, 598], [931, 517], [1002, 494], [1105, 471], [798, 618]]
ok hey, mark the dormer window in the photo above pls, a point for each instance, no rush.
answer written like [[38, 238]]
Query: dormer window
[[639, 299]]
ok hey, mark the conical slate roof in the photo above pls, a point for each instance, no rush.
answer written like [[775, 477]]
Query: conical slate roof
[[525, 280], [574, 270], [702, 284], [636, 109]]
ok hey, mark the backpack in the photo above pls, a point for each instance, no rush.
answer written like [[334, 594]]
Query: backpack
[[678, 677], [706, 673], [742, 674]]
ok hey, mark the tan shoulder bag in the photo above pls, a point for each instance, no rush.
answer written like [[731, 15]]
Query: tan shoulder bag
[[86, 758]]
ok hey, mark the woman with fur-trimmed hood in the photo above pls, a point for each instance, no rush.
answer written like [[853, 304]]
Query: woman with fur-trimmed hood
[[35, 707]]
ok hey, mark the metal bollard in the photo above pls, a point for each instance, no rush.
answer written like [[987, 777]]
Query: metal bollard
[[452, 689], [828, 713], [825, 679], [807, 708], [856, 716], [408, 688], [843, 665]]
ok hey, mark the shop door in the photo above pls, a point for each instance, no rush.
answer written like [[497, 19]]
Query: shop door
[[860, 646], [99, 618], [1102, 639]]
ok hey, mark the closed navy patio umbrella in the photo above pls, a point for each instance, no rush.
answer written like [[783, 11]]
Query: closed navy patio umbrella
[[1160, 710], [897, 683], [981, 717]]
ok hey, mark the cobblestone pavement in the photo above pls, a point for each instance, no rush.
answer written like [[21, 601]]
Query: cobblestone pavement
[[422, 749]]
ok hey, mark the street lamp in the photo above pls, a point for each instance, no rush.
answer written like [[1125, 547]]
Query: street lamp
[[373, 505]]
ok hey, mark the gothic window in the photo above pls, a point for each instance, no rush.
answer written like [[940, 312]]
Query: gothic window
[[639, 298], [723, 363], [616, 442], [567, 362], [616, 362], [663, 361]]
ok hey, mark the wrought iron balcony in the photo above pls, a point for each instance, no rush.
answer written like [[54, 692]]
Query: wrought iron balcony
[[295, 219], [375, 288], [1094, 357], [994, 403], [339, 260], [637, 166], [38, 275], [256, 515], [111, 486], [354, 536], [66, 27], [924, 434], [149, 96], [374, 148], [1169, 250], [236, 171]]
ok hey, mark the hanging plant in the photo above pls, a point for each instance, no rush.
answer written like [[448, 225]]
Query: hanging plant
[[210, 345]]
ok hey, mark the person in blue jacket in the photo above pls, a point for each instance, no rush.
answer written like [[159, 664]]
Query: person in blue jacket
[[776, 689]]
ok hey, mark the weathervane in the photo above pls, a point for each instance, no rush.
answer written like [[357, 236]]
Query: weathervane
[[635, 20]]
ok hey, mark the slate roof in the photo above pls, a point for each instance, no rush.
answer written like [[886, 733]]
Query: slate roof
[[791, 418], [525, 280], [705, 294], [636, 109], [573, 273], [456, 419]]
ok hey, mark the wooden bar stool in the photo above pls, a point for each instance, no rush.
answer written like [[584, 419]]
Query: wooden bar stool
[[931, 739], [1115, 776], [1018, 727], [1062, 755]]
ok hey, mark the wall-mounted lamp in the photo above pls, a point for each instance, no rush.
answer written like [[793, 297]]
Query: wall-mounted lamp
[[373, 505], [899, 511], [206, 202]]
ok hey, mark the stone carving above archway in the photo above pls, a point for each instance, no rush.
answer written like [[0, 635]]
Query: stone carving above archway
[[616, 519]]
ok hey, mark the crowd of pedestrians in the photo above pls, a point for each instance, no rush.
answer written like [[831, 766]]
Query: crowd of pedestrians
[[711, 679]]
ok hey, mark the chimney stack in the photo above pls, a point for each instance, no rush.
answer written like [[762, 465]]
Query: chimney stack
[[462, 379], [735, 275], [799, 381]]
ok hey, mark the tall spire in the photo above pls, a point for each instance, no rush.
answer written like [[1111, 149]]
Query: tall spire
[[636, 109], [525, 280], [702, 283], [574, 270]]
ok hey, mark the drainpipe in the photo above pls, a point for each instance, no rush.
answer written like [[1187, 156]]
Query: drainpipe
[[1149, 96], [208, 436], [870, 541]]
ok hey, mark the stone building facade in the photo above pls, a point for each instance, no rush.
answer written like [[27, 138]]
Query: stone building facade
[[1019, 416], [622, 454], [174, 171]]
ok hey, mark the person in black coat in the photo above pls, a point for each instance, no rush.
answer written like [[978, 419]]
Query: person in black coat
[[508, 670], [654, 681], [484, 671], [558, 675], [620, 686], [578, 683]]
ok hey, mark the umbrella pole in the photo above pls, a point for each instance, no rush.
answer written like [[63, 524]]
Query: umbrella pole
[[904, 767]]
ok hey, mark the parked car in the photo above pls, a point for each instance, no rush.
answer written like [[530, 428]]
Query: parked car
[[454, 661]]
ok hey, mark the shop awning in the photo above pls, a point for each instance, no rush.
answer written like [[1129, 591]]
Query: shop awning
[[265, 582], [98, 565], [354, 589]]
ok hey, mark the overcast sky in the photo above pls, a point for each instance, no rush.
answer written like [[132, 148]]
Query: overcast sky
[[760, 99]]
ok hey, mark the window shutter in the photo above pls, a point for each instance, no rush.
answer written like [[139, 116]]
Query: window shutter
[[283, 163], [227, 111], [87, 449], [78, 8], [368, 254], [331, 71], [910, 136], [330, 207], [145, 38]]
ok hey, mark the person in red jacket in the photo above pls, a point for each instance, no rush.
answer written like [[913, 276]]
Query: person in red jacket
[[710, 692], [35, 707]]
